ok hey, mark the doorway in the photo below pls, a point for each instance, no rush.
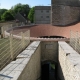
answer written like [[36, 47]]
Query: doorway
[[48, 71]]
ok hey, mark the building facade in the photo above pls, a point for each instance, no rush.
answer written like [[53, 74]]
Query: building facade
[[42, 15], [60, 13]]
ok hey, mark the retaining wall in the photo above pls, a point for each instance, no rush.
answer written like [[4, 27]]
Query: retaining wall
[[49, 51], [69, 62], [26, 66]]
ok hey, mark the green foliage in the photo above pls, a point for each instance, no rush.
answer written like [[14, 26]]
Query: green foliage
[[1, 12], [21, 8], [31, 15], [7, 16], [12, 12]]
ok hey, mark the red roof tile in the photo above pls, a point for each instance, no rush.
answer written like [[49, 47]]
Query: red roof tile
[[49, 30]]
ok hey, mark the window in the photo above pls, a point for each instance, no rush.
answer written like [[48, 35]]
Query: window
[[47, 16], [41, 11], [47, 11], [41, 16]]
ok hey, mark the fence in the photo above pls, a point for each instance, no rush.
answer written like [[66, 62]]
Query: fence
[[8, 26], [11, 46], [75, 40]]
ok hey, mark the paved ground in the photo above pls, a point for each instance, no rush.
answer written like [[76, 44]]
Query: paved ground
[[49, 30]]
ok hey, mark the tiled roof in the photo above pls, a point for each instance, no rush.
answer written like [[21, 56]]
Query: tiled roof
[[49, 30]]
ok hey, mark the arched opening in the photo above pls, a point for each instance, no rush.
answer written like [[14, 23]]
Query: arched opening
[[48, 70]]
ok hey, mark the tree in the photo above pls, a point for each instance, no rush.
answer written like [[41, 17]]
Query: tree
[[21, 8], [12, 12], [7, 16], [26, 9], [31, 15], [1, 12]]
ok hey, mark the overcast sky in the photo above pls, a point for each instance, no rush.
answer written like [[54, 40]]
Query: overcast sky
[[9, 3]]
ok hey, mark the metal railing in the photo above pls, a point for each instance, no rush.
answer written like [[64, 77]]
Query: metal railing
[[10, 47], [75, 40]]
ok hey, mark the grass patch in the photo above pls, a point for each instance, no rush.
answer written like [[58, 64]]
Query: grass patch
[[6, 50], [4, 44], [4, 47]]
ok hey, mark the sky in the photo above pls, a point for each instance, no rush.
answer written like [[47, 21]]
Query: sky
[[7, 4]]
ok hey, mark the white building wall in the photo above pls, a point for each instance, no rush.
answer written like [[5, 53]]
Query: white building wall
[[43, 15]]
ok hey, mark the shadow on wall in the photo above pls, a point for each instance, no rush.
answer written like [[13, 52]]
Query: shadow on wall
[[48, 70], [60, 72], [67, 25]]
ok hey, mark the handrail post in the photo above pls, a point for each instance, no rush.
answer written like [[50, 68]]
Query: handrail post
[[11, 50], [28, 35], [2, 31], [22, 40]]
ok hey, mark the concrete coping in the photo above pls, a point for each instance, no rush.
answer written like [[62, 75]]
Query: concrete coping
[[13, 70], [72, 56]]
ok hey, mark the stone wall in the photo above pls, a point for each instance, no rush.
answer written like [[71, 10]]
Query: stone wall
[[49, 51], [27, 65], [32, 70], [67, 2], [69, 63], [64, 15]]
